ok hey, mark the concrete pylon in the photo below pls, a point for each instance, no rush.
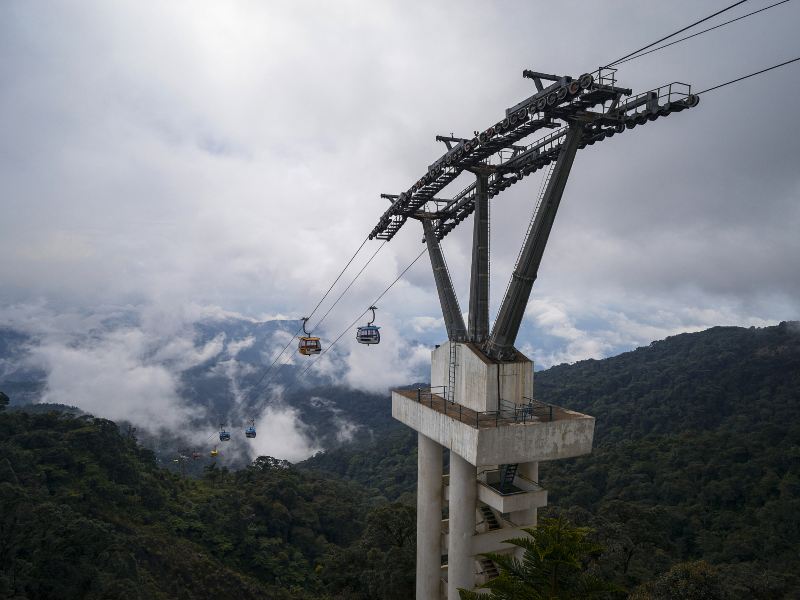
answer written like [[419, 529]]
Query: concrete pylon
[[462, 499], [496, 422], [429, 517]]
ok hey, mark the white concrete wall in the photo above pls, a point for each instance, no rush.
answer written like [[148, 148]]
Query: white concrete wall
[[477, 378], [440, 359], [537, 441], [516, 381]]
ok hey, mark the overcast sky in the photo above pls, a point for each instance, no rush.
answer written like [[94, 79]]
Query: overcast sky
[[231, 154]]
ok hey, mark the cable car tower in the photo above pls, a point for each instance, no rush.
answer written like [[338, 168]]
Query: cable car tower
[[481, 403]]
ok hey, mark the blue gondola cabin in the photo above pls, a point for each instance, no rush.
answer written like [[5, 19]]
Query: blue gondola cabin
[[368, 334]]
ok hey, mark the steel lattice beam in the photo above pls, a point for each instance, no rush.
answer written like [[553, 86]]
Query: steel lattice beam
[[566, 100], [582, 111]]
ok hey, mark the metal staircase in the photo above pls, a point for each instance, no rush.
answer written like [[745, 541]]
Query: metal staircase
[[489, 569], [507, 474], [490, 518]]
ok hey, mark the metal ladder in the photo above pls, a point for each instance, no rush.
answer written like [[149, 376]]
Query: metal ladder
[[490, 518], [507, 474], [546, 180], [451, 387]]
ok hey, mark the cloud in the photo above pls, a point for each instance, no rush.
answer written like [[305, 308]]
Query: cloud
[[208, 159], [281, 433], [111, 378]]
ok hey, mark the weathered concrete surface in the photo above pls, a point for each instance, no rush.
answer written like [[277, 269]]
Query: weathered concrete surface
[[463, 493], [532, 496], [565, 437], [429, 516], [478, 379]]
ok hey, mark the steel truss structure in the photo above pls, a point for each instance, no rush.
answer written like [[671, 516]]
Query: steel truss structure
[[579, 111]]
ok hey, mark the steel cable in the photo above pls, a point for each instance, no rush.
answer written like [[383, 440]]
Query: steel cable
[[335, 302], [325, 295], [683, 39], [719, 12], [356, 320], [716, 87]]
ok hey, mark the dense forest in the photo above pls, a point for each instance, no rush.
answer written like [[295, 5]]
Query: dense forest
[[88, 513], [696, 458]]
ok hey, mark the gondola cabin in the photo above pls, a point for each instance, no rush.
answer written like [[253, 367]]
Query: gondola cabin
[[214, 452], [250, 432], [224, 436], [309, 345], [368, 334]]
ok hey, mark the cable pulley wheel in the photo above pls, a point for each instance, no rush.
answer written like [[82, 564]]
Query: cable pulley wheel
[[585, 81]]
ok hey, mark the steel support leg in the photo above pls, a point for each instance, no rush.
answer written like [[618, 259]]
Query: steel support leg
[[479, 281], [451, 311], [509, 319]]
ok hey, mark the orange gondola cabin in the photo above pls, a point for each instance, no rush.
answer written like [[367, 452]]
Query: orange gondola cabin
[[309, 345]]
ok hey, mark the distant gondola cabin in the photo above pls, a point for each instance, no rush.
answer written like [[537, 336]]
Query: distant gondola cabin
[[224, 436], [250, 432], [368, 334], [309, 345]]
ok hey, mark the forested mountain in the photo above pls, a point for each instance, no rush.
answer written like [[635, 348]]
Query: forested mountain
[[85, 512], [696, 457]]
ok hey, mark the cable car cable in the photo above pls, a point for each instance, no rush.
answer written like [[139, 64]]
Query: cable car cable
[[716, 87], [262, 387], [357, 319], [349, 285], [325, 295], [352, 258], [719, 12], [683, 39]]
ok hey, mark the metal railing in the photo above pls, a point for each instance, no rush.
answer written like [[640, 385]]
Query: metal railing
[[651, 100], [532, 410]]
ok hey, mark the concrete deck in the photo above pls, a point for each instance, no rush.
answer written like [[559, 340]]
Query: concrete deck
[[483, 440], [478, 420]]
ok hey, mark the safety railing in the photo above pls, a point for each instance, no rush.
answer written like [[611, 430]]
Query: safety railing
[[530, 411], [535, 409], [651, 100], [425, 395]]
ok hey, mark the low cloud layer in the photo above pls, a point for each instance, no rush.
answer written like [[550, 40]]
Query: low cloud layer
[[165, 161]]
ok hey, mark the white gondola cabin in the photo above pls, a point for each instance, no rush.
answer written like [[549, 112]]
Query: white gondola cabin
[[369, 333]]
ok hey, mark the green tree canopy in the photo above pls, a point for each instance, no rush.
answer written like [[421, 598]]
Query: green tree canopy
[[556, 565]]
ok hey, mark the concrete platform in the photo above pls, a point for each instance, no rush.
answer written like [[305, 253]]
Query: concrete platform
[[484, 440]]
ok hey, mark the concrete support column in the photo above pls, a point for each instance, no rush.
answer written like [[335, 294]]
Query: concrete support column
[[529, 517], [529, 471], [462, 502], [429, 518]]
